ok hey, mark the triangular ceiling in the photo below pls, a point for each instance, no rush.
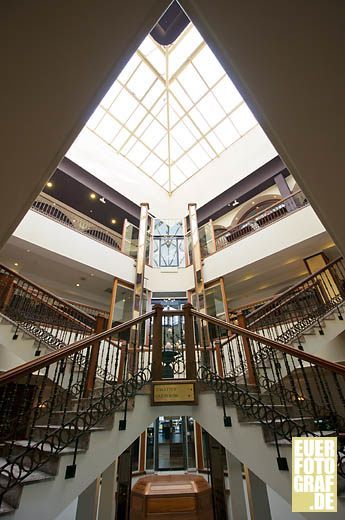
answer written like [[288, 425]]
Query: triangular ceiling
[[172, 110]]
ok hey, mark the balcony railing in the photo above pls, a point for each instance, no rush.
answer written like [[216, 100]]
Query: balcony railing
[[210, 244], [71, 218]]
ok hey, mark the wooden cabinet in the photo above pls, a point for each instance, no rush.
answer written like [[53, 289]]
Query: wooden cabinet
[[159, 497]]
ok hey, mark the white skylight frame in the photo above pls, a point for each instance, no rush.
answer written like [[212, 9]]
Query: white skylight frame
[[172, 110]]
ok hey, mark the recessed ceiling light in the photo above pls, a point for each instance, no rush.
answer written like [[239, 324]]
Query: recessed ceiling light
[[113, 221], [77, 284], [28, 250], [92, 196], [91, 274], [102, 199], [49, 184], [16, 264], [253, 202]]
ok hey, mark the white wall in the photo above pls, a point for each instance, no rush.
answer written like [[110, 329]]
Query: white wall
[[46, 233], [242, 158], [98, 158], [280, 508], [169, 280], [70, 511], [287, 232]]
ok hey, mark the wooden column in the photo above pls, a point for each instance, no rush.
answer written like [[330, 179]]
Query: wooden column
[[91, 372], [198, 447], [124, 484], [6, 291], [224, 298], [217, 478], [218, 346], [189, 342], [157, 357], [247, 350], [112, 303]]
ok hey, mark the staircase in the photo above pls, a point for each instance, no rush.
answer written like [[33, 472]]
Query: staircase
[[62, 418]]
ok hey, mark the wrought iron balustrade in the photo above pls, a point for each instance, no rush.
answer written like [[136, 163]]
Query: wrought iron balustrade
[[286, 316], [276, 212], [50, 319], [71, 218], [51, 403], [291, 393]]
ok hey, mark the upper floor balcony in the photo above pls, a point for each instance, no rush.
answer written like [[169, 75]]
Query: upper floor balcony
[[55, 226], [215, 238]]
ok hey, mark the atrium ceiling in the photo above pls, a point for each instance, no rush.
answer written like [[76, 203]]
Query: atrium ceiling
[[172, 110], [284, 57]]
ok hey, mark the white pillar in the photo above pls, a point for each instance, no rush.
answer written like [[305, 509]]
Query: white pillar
[[106, 508], [237, 509], [257, 497], [87, 502]]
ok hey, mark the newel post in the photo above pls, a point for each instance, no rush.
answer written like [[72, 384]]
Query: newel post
[[91, 371], [247, 349], [189, 341], [157, 345]]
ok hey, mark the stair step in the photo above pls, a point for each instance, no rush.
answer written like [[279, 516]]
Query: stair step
[[46, 447], [6, 509], [57, 416], [35, 476], [51, 466], [86, 402]]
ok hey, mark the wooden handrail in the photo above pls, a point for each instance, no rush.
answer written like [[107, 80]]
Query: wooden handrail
[[50, 294], [260, 301], [48, 359], [294, 287], [281, 201], [310, 358], [87, 306]]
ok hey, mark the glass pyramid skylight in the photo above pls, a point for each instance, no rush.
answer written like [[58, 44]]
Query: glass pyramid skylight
[[172, 110]]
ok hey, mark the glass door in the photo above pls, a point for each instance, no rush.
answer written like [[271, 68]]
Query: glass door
[[170, 442]]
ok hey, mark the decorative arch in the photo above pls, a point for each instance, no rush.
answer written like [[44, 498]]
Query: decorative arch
[[249, 210]]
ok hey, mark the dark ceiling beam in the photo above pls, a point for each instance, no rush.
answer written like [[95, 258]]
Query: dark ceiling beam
[[58, 59], [84, 177], [249, 187]]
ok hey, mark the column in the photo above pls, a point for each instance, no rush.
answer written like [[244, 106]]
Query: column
[[87, 502], [141, 260], [285, 191], [257, 497], [238, 509], [106, 508], [124, 485], [217, 478], [196, 256]]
